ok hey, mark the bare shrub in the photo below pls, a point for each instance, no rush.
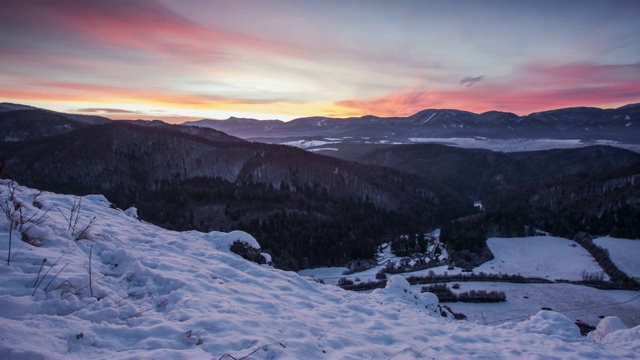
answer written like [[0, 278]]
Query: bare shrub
[[77, 231], [20, 217], [596, 276]]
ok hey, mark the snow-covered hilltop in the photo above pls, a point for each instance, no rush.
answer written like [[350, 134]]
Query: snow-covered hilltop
[[128, 289]]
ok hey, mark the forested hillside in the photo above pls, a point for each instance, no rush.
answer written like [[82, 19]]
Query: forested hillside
[[307, 209], [594, 189], [483, 173], [605, 203]]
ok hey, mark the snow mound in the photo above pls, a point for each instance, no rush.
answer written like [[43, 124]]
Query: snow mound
[[133, 212], [131, 290], [625, 338], [549, 323], [607, 326], [398, 289], [611, 330]]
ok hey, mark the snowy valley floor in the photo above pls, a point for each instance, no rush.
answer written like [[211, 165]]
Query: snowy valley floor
[[544, 257], [159, 294]]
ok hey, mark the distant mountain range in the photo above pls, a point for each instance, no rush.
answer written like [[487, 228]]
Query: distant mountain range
[[587, 123], [621, 125]]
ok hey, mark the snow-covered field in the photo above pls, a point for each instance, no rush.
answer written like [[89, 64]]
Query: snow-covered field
[[624, 253], [501, 145], [329, 275], [512, 145], [539, 256], [576, 302], [303, 144], [545, 257], [324, 149], [158, 294]]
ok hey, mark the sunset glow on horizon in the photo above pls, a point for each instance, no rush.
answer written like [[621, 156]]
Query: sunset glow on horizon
[[194, 59]]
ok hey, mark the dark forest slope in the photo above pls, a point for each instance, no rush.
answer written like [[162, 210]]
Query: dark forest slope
[[309, 209], [483, 173]]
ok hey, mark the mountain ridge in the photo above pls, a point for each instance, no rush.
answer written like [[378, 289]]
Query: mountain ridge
[[621, 124]]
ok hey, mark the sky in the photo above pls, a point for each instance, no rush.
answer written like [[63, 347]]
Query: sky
[[281, 59]]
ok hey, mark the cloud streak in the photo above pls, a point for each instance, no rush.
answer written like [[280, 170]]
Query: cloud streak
[[103, 111], [471, 80]]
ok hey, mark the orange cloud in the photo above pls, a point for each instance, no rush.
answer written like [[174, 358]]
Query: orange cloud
[[79, 93]]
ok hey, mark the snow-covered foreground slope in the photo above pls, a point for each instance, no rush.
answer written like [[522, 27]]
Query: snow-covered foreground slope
[[159, 294], [539, 256], [624, 253]]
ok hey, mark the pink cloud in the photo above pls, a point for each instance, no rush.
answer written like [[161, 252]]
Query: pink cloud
[[520, 101], [581, 73], [137, 24], [110, 28]]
